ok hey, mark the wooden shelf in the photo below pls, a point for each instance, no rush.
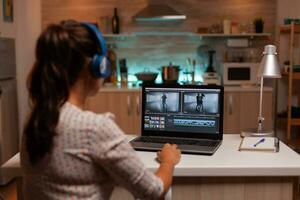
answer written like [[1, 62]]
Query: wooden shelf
[[117, 36], [191, 34], [295, 122], [287, 29], [235, 35]]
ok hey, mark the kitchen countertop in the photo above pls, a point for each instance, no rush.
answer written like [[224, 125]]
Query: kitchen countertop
[[227, 161], [226, 89]]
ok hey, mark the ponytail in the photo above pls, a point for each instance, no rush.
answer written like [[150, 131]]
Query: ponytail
[[61, 53]]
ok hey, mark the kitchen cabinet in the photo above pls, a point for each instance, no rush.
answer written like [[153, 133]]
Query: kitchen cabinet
[[124, 105], [241, 110]]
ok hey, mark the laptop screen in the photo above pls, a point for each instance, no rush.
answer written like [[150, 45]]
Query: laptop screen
[[193, 111]]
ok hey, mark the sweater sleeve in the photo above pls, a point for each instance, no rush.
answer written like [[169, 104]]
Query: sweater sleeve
[[110, 150]]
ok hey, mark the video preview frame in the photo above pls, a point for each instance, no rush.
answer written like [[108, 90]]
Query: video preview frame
[[162, 102], [201, 103], [206, 103]]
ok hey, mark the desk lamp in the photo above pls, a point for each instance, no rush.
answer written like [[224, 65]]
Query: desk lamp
[[269, 68]]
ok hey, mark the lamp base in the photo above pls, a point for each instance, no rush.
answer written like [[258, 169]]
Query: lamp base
[[255, 133]]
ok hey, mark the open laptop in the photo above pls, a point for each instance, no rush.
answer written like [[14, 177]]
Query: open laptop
[[189, 116]]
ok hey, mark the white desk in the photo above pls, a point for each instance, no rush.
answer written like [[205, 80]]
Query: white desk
[[228, 174], [228, 161]]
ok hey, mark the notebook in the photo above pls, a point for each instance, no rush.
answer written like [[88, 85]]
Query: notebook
[[259, 144], [190, 116]]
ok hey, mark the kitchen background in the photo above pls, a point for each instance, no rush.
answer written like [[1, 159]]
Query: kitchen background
[[147, 46], [31, 16]]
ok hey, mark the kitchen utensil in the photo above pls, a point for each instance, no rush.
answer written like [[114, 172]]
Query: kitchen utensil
[[189, 62], [210, 67], [194, 64], [188, 79], [170, 73], [146, 76], [194, 71], [210, 75], [124, 72]]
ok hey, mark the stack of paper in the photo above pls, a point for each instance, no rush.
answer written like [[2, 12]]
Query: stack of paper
[[259, 144]]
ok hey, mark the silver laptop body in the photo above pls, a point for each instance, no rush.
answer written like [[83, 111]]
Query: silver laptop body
[[190, 116]]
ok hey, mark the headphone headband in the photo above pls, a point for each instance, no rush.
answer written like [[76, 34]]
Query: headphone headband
[[100, 63], [99, 36]]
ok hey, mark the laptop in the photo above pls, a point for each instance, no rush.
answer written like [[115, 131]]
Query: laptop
[[190, 116]]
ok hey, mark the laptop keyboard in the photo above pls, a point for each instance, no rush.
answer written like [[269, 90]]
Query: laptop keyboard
[[208, 143]]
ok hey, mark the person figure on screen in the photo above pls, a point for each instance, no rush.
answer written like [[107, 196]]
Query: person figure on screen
[[163, 102], [199, 106]]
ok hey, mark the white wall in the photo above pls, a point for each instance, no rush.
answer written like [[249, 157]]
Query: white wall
[[28, 26]]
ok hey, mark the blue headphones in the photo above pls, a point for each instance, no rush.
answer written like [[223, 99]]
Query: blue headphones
[[100, 64]]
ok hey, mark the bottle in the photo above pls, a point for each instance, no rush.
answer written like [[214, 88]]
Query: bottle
[[113, 59], [123, 72], [115, 22]]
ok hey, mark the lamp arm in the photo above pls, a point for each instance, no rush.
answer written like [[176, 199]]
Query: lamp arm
[[260, 117]]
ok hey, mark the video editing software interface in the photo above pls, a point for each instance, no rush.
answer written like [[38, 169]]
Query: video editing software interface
[[182, 110]]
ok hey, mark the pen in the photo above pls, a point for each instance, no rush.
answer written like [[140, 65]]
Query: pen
[[260, 141]]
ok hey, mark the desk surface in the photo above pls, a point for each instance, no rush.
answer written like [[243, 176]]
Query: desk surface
[[227, 161]]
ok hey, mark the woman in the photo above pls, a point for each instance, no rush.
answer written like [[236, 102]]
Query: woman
[[68, 153]]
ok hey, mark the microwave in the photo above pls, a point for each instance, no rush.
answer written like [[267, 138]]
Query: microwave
[[240, 73]]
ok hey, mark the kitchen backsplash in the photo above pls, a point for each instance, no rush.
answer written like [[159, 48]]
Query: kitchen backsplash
[[150, 53]]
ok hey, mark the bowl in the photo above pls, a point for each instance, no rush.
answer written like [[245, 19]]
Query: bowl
[[146, 76]]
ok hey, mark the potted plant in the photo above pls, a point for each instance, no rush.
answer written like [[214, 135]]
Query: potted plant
[[258, 25]]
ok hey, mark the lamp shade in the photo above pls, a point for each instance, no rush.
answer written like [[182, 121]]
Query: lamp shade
[[269, 66]]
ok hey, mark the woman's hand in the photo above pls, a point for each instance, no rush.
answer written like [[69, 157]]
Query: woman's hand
[[168, 157], [169, 154]]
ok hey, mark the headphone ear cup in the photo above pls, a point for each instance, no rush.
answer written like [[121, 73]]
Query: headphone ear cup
[[95, 66], [100, 66]]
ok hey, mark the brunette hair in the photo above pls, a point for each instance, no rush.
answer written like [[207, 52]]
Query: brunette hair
[[62, 51]]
